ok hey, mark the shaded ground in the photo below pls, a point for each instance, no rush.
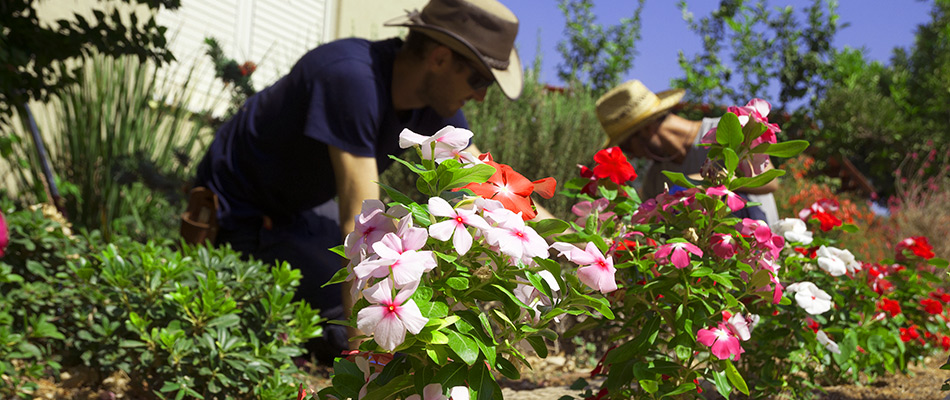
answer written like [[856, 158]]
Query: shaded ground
[[548, 381]]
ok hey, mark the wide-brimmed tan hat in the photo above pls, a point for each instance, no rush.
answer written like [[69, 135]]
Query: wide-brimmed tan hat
[[629, 107], [481, 30]]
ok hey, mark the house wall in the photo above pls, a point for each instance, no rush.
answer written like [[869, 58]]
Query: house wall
[[365, 18]]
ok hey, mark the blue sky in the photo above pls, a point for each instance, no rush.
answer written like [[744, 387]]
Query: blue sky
[[875, 25]]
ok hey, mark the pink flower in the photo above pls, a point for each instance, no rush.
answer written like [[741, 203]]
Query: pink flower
[[4, 236], [398, 256], [517, 240], [585, 208], [722, 342], [723, 245], [456, 226], [445, 144], [757, 229], [732, 200], [389, 317], [371, 224], [597, 271], [679, 251]]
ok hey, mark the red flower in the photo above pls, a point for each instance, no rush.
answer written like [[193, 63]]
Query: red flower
[[590, 188], [612, 164], [810, 252], [301, 392], [812, 324], [945, 343], [917, 245], [820, 210], [890, 306], [247, 68], [941, 295], [828, 221], [908, 334], [932, 306], [512, 189]]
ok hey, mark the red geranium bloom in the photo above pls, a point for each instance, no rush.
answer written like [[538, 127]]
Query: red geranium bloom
[[821, 210], [941, 295], [917, 245], [932, 306], [827, 220], [512, 189], [908, 334], [890, 306], [612, 164], [945, 343], [590, 188]]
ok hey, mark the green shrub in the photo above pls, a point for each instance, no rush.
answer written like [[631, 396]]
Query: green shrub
[[546, 132], [198, 322]]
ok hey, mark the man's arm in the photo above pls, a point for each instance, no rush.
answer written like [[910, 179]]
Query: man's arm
[[355, 181]]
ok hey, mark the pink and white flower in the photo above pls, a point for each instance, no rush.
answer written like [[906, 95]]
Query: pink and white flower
[[829, 344], [809, 297], [448, 143], [517, 240], [596, 271], [722, 342], [389, 317], [677, 253], [456, 227], [585, 208], [400, 257]]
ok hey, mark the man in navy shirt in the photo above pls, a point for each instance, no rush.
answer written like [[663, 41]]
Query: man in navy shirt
[[291, 169]]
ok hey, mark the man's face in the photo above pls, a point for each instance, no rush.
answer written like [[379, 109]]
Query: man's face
[[447, 89]]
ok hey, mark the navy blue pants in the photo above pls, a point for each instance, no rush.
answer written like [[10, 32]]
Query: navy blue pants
[[304, 242]]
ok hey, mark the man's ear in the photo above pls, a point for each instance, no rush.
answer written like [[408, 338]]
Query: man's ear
[[440, 57]]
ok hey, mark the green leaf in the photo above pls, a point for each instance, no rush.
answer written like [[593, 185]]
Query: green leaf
[[787, 149], [755, 181], [682, 388], [550, 226], [457, 283], [649, 385], [225, 321], [396, 195], [463, 346], [722, 383], [338, 277], [732, 159], [729, 131], [938, 262], [452, 375], [507, 369], [735, 378], [481, 380], [537, 343], [679, 179]]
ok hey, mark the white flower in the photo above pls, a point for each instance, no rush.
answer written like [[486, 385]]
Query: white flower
[[829, 344], [837, 261], [793, 229], [809, 297]]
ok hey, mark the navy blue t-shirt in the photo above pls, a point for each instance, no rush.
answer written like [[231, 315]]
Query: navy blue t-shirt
[[272, 158]]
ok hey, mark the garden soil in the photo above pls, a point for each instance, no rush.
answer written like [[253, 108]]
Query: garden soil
[[550, 380]]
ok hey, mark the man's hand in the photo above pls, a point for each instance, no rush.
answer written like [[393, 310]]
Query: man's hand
[[355, 181]]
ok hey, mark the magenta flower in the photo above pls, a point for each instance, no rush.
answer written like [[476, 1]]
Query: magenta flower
[[723, 245], [389, 317], [456, 226], [677, 253], [732, 199], [757, 229], [4, 236], [722, 342]]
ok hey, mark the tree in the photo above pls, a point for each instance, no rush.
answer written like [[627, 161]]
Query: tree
[[764, 47], [31, 53], [593, 55]]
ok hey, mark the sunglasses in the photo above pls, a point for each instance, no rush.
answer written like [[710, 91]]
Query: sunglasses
[[476, 80]]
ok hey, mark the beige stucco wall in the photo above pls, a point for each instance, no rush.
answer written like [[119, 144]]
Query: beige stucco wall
[[365, 18]]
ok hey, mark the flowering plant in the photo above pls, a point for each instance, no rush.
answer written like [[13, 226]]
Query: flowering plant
[[452, 286], [704, 295]]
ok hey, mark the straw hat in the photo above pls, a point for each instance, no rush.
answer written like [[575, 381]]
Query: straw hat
[[481, 30], [629, 107]]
